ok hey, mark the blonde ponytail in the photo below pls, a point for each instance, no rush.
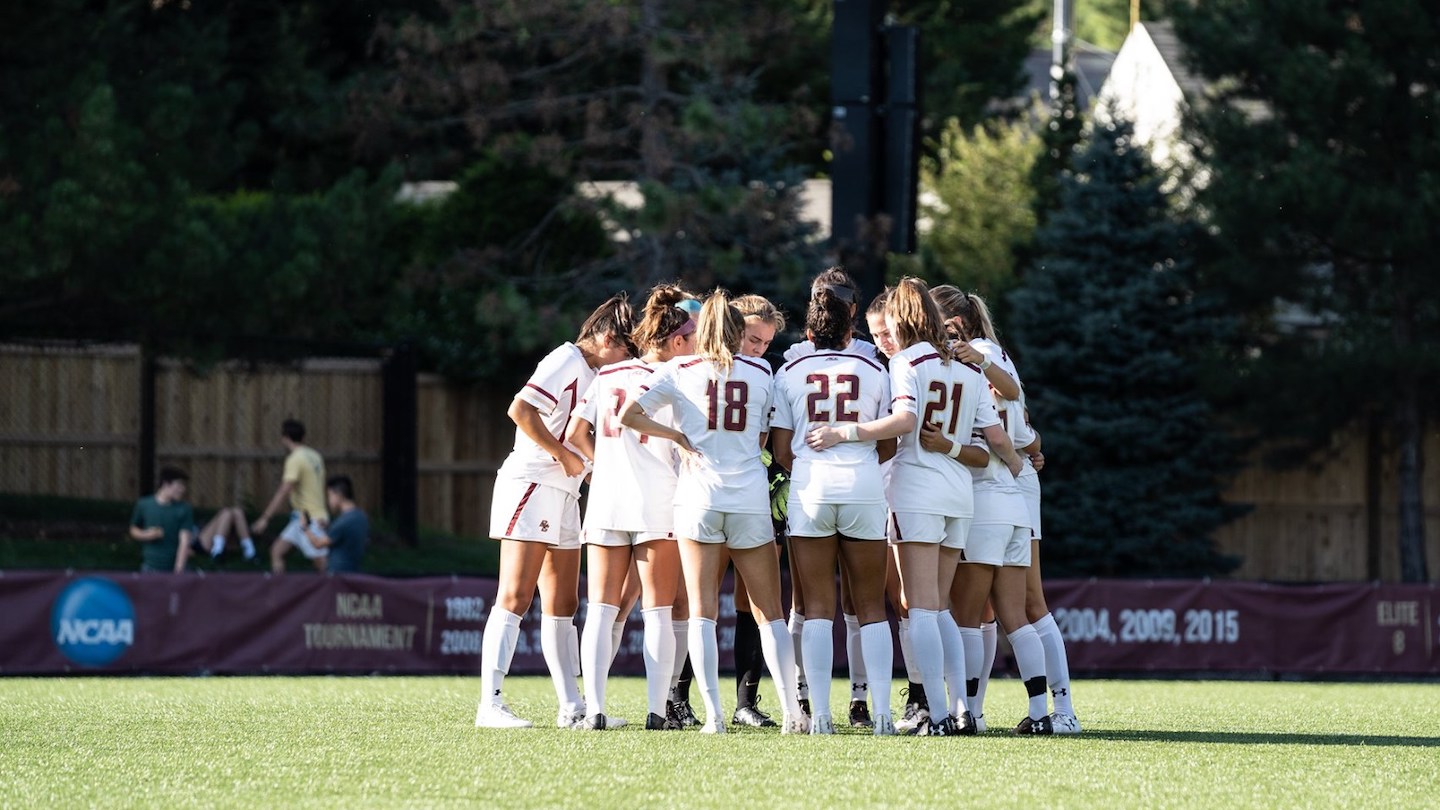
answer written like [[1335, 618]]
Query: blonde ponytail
[[721, 330]]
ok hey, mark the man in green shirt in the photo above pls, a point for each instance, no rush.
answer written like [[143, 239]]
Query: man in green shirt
[[165, 523]]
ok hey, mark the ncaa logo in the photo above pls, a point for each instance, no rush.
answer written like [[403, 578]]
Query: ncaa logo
[[93, 622]]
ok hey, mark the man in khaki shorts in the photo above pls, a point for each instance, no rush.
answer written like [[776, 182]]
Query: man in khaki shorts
[[303, 485]]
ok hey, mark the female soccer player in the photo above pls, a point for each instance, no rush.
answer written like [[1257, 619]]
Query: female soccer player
[[721, 403], [834, 281], [971, 317], [631, 514], [931, 497], [535, 514], [837, 500], [762, 322]]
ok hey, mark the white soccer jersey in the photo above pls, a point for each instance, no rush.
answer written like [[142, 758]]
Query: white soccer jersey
[[997, 497], [632, 487], [723, 415], [553, 389], [832, 388], [1012, 411], [855, 346], [954, 396]]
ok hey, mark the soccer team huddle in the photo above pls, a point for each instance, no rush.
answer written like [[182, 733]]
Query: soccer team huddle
[[915, 486]]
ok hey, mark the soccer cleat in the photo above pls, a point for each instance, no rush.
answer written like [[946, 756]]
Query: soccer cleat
[[1029, 726], [681, 713], [979, 723], [498, 715], [752, 716], [965, 725], [569, 717], [822, 724], [796, 724], [884, 726], [1064, 723], [942, 728], [805, 706], [912, 720], [655, 722], [860, 714], [615, 721], [713, 727], [595, 722]]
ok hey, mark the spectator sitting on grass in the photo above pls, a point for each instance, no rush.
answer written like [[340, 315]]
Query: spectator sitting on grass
[[348, 533], [210, 539], [165, 523]]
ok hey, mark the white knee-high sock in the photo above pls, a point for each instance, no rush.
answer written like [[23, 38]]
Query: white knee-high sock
[[1030, 660], [502, 630], [595, 654], [681, 629], [879, 652], [989, 634], [617, 637], [974, 657], [572, 642], [705, 660], [859, 682], [659, 656], [955, 668], [555, 634], [779, 659], [818, 657], [929, 658], [1057, 663], [907, 652], [797, 632]]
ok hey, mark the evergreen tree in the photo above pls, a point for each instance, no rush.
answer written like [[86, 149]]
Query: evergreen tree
[[1061, 133], [1109, 333], [1322, 152]]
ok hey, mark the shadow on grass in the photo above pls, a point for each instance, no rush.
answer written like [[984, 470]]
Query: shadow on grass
[[1262, 738]]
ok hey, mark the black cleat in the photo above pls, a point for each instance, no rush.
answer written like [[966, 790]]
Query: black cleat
[[860, 715], [942, 728], [752, 716], [595, 722], [1028, 726], [681, 713], [805, 707], [655, 722], [965, 725]]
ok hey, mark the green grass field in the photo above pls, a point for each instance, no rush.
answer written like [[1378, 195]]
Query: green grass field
[[367, 742]]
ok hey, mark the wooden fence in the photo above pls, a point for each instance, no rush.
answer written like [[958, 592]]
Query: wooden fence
[[70, 422]]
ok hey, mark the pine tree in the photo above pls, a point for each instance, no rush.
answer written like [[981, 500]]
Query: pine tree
[[1321, 148], [1107, 331]]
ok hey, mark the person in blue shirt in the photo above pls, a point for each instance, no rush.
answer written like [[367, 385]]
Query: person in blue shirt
[[349, 529]]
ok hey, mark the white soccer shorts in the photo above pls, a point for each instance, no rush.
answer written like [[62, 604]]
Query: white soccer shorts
[[916, 527], [619, 538], [998, 544], [524, 510], [735, 530], [854, 521]]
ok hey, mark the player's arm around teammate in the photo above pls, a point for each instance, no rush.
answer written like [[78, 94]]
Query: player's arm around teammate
[[722, 403], [535, 515], [630, 518], [837, 502]]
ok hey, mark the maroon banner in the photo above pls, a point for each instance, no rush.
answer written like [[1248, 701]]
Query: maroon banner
[[1187, 625], [58, 622]]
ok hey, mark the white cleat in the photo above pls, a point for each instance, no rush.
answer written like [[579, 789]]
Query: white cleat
[[713, 727], [979, 724], [570, 717], [616, 721], [498, 715], [822, 724], [1064, 723], [884, 726], [796, 724], [912, 724]]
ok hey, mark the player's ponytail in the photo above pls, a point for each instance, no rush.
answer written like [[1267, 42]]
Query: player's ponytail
[[916, 317], [722, 328], [967, 308], [838, 283], [662, 317], [828, 320], [612, 319]]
